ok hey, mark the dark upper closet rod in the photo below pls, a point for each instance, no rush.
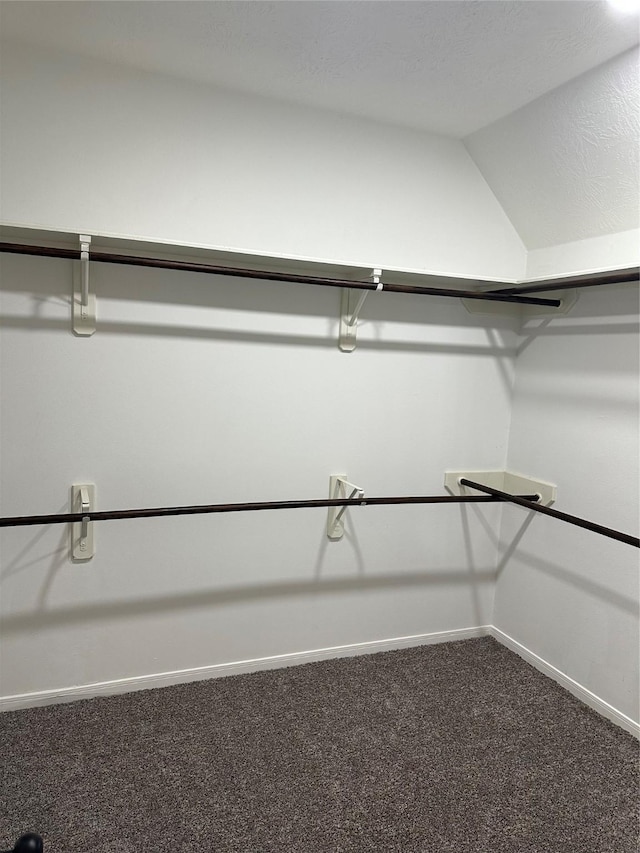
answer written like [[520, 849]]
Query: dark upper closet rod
[[109, 515], [187, 266], [590, 280], [554, 513]]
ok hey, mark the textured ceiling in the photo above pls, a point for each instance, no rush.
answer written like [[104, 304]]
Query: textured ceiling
[[567, 166], [450, 67]]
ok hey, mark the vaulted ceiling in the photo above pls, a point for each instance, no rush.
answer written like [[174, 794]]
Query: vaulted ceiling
[[446, 67], [543, 92]]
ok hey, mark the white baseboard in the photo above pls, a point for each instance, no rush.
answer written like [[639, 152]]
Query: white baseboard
[[164, 679], [568, 683]]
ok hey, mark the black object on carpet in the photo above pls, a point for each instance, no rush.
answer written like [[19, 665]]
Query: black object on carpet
[[454, 748]]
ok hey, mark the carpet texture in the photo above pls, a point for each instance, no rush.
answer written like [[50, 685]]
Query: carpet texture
[[440, 749]]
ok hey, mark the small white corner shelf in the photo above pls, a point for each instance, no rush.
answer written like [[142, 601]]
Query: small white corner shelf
[[505, 481]]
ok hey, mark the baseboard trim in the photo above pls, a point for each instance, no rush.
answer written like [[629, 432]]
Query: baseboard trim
[[165, 679], [574, 687]]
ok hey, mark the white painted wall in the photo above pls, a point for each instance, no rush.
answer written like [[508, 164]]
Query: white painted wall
[[568, 595], [97, 148], [198, 390], [566, 167], [611, 251]]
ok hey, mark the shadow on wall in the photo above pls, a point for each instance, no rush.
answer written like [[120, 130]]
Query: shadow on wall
[[56, 560], [251, 297], [51, 284], [567, 576], [210, 333], [48, 278], [589, 316], [29, 621], [513, 550], [41, 617]]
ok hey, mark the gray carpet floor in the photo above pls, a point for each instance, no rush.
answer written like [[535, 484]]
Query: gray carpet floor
[[439, 749]]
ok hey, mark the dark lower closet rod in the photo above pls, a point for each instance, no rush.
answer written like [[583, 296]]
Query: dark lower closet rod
[[110, 515], [591, 280], [186, 266], [554, 513]]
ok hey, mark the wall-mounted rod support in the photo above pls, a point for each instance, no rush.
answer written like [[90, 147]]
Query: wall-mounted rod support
[[269, 275], [83, 499], [338, 487], [356, 491], [554, 513], [376, 279], [154, 512], [349, 312], [83, 303], [569, 282], [85, 241], [353, 319], [85, 506]]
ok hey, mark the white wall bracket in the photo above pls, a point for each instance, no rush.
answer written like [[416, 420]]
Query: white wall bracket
[[338, 488], [505, 481], [83, 499], [84, 302], [350, 306]]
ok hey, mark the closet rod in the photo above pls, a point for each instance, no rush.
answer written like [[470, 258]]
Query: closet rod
[[110, 515], [187, 266], [554, 513], [611, 277]]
